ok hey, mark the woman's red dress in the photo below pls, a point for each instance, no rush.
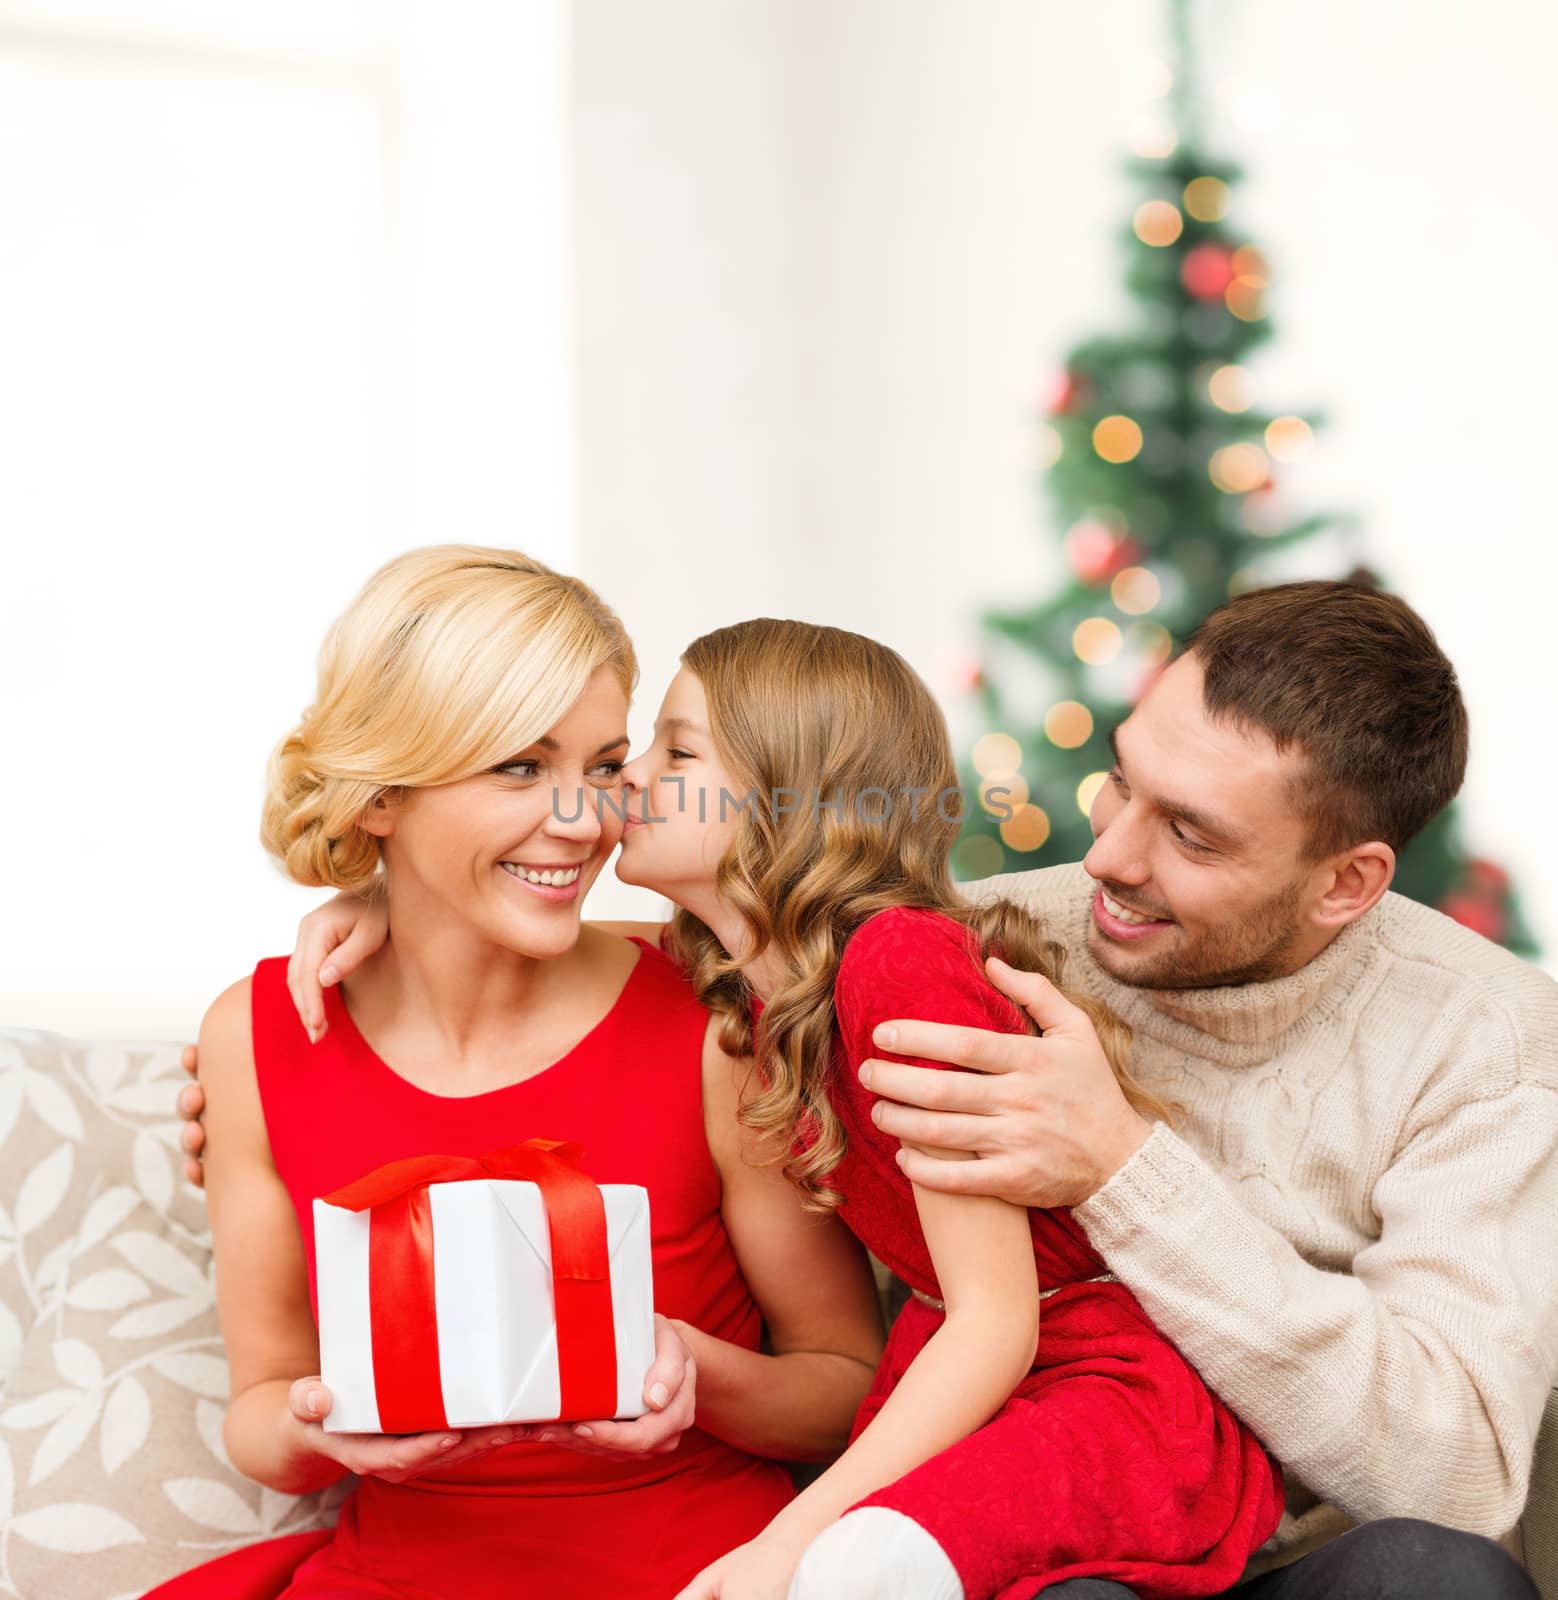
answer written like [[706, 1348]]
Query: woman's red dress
[[1112, 1459], [527, 1520]]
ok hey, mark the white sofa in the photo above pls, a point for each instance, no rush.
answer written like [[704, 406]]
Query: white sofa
[[112, 1379]]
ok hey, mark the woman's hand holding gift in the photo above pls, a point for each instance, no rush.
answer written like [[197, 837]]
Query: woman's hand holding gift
[[670, 1392], [394, 1457], [333, 941]]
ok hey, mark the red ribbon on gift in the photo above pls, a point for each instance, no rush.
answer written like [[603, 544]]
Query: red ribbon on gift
[[402, 1309]]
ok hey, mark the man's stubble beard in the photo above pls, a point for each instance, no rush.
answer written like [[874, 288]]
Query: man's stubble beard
[[1252, 951]]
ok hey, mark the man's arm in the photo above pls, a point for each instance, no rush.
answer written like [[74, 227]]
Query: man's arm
[[1414, 1384]]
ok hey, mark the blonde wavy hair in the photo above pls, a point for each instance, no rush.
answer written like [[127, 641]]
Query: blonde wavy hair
[[833, 715], [450, 659]]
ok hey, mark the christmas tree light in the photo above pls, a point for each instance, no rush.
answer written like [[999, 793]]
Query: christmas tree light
[[1165, 470]]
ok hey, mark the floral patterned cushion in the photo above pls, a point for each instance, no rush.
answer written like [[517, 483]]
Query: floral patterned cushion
[[113, 1383]]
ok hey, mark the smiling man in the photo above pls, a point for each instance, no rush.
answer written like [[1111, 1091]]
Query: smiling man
[[1350, 1229], [1266, 770]]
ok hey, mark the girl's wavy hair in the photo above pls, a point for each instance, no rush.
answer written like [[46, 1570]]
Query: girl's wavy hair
[[451, 658], [829, 717]]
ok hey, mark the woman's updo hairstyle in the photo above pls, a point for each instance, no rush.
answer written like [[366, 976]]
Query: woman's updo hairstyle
[[452, 658]]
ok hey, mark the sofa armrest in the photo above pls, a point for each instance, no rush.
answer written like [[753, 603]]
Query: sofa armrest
[[1539, 1521]]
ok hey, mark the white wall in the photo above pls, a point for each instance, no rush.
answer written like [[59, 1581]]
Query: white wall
[[742, 306], [829, 256], [280, 295], [1406, 187], [689, 234]]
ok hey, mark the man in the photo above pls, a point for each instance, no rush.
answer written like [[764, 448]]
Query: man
[[1351, 1234], [1350, 1231]]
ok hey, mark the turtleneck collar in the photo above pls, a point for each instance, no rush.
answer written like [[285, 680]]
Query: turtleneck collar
[[1236, 1024]]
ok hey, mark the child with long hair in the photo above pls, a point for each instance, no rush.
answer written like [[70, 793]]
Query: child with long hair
[[1001, 1450], [1029, 1423]]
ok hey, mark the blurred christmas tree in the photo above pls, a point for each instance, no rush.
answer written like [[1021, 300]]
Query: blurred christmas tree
[[1165, 475]]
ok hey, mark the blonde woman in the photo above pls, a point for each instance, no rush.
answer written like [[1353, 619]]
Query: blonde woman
[[799, 806], [459, 696]]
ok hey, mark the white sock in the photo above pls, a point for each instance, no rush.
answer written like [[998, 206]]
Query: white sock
[[875, 1554]]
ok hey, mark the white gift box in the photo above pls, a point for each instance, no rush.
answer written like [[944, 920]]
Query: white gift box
[[492, 1283]]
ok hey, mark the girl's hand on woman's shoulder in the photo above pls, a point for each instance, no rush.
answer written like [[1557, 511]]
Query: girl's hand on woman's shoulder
[[395, 1457], [333, 942]]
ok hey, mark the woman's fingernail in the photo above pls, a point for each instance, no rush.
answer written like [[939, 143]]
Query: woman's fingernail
[[311, 1402], [886, 1036], [865, 1073], [659, 1394], [328, 974], [548, 1437], [449, 1442], [584, 1432]]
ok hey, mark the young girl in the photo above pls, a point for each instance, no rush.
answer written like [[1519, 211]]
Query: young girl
[[1001, 1450], [1028, 1424], [459, 695]]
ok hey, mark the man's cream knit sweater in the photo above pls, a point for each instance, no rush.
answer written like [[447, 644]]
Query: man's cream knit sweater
[[1353, 1235]]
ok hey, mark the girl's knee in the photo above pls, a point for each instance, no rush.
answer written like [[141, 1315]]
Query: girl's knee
[[875, 1554]]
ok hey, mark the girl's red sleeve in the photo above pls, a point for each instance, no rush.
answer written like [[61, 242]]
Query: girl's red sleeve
[[905, 962]]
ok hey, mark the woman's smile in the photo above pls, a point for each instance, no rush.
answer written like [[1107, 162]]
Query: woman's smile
[[559, 884]]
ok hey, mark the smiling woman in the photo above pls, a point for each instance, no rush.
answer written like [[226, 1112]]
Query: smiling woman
[[503, 847], [446, 662], [461, 761]]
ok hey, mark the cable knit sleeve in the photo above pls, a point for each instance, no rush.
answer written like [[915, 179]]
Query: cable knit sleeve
[[1414, 1384]]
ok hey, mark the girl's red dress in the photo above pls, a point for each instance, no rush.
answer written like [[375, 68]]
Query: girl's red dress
[[529, 1520], [1113, 1459]]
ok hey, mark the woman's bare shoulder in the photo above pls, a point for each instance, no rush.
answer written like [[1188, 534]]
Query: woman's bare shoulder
[[227, 1047]]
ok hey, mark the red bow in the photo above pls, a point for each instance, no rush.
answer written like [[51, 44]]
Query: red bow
[[400, 1273]]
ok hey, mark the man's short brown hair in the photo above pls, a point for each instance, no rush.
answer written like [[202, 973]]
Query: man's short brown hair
[[1356, 680]]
